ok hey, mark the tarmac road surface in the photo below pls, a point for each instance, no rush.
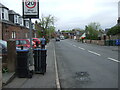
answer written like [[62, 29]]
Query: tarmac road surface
[[83, 65]]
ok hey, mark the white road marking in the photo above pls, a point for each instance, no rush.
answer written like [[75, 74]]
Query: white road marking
[[74, 45], [0, 57], [56, 71], [94, 53], [81, 48], [113, 59]]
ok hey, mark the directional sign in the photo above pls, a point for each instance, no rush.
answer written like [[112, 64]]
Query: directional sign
[[31, 8]]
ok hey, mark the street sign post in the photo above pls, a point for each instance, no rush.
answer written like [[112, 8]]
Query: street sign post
[[30, 10]]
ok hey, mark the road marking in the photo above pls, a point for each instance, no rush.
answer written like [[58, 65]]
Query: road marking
[[56, 71], [74, 45], [0, 57], [81, 48], [94, 53], [113, 59]]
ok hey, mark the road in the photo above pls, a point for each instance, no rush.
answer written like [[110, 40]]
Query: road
[[83, 65]]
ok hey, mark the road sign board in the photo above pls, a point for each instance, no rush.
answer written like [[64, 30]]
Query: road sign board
[[30, 8]]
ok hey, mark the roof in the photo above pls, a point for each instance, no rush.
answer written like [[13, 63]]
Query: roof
[[13, 12], [2, 6]]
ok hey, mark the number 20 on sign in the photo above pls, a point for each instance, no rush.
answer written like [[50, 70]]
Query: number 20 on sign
[[31, 8], [30, 3]]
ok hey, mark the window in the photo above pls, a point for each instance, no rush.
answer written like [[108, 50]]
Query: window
[[3, 13], [26, 35], [17, 42], [13, 34], [16, 19], [24, 42], [20, 20], [27, 24]]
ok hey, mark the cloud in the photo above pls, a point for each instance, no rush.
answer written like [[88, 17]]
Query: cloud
[[15, 5], [74, 13]]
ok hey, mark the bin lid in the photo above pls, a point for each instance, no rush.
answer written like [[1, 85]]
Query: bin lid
[[44, 49], [40, 49], [24, 50]]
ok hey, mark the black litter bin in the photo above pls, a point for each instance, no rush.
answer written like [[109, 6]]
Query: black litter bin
[[40, 60], [23, 64]]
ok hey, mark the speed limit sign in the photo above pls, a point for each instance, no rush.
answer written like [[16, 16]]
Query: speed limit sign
[[30, 8], [30, 4]]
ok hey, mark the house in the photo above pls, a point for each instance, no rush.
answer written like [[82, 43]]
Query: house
[[12, 25], [4, 12], [14, 17]]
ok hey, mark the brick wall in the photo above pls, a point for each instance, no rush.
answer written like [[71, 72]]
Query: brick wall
[[98, 42], [20, 32]]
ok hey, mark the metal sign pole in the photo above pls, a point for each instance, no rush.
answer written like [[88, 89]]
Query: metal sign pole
[[30, 10], [31, 51]]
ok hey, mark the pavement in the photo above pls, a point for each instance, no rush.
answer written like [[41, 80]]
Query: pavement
[[48, 80], [7, 77]]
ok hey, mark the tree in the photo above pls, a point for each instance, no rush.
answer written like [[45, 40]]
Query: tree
[[114, 30], [46, 25], [50, 31], [46, 22], [92, 30]]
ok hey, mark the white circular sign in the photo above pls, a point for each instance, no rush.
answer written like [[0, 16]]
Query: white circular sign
[[30, 3]]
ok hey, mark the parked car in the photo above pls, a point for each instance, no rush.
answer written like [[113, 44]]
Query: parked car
[[23, 42], [62, 37], [57, 39], [3, 50], [36, 40]]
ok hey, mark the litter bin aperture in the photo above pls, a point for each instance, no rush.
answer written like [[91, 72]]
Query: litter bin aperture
[[40, 60], [23, 64]]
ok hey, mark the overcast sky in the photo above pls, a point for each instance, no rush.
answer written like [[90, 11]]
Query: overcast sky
[[74, 13]]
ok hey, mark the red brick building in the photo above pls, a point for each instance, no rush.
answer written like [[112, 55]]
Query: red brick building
[[13, 26]]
